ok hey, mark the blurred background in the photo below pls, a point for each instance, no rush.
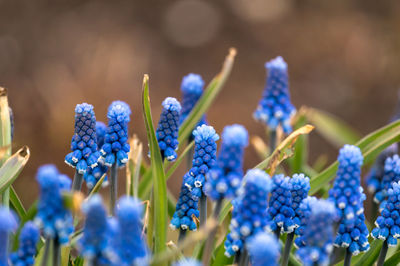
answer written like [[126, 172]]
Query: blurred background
[[343, 57]]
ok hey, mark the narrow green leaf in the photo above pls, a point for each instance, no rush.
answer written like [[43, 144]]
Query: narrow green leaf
[[369, 258], [16, 203], [370, 146], [160, 186], [300, 155], [65, 250], [97, 186], [12, 167], [220, 258], [5, 139], [393, 260], [335, 130], [207, 98]]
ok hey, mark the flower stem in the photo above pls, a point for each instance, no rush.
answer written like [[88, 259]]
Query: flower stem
[[210, 240], [113, 187], [347, 258], [244, 258], [57, 253], [77, 183], [46, 253], [277, 232], [203, 209], [382, 254], [288, 248], [182, 235], [272, 141]]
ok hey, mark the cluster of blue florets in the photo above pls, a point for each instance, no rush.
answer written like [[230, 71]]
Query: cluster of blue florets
[[317, 237], [348, 197], [192, 89], [264, 249], [300, 188], [96, 243], [84, 142], [52, 217], [8, 224], [168, 127], [116, 147], [26, 252], [388, 223], [275, 108], [93, 175], [204, 158], [225, 178], [391, 174], [304, 212], [249, 216], [280, 210]]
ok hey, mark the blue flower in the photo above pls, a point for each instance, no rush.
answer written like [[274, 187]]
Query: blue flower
[[348, 197], [263, 249], [275, 107], [28, 239], [187, 262], [52, 217], [391, 174], [93, 175], [388, 223], [191, 190], [249, 215], [318, 233], [304, 212], [168, 127], [84, 142], [8, 224], [192, 89], [96, 243], [300, 188], [225, 178], [280, 210], [115, 148], [130, 245]]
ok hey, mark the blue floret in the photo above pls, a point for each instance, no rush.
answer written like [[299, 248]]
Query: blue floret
[[28, 239]]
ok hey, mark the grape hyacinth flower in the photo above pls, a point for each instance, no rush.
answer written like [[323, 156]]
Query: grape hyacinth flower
[[168, 127], [391, 174], [93, 175], [129, 243], [204, 159], [264, 249], [348, 197], [280, 210], [275, 108], [8, 224], [187, 262], [304, 211], [192, 89], [96, 244], [225, 178], [28, 239], [249, 216], [318, 233]]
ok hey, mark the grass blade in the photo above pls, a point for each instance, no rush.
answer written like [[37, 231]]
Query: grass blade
[[17, 204], [5, 138], [97, 186], [393, 260], [12, 167], [157, 168]]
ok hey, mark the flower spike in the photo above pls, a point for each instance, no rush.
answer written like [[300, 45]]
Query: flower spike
[[192, 89], [28, 239], [264, 249], [168, 127], [391, 174], [300, 188], [116, 147], [8, 224], [225, 178], [84, 142], [275, 107]]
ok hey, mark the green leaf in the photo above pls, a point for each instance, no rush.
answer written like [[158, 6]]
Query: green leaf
[[160, 185], [16, 203], [370, 146], [5, 139], [393, 260], [220, 258], [207, 98], [300, 156], [65, 250], [97, 186], [332, 128], [12, 167]]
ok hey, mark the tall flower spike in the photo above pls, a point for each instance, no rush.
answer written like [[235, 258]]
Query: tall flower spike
[[275, 107], [318, 234], [96, 244], [391, 174], [300, 188], [191, 190], [280, 210], [264, 249], [130, 246], [93, 175], [348, 197], [249, 216], [304, 212], [7, 225], [225, 178], [192, 89], [28, 239], [115, 148], [388, 223], [187, 262], [84, 142], [55, 220], [168, 127]]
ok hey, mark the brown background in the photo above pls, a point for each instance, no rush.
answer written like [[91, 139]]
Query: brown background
[[343, 56]]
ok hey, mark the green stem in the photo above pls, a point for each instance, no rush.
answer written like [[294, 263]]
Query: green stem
[[77, 182], [203, 209], [272, 141], [277, 232], [244, 258], [347, 258], [46, 253], [113, 187], [210, 240], [288, 248], [382, 254], [182, 235], [57, 253]]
